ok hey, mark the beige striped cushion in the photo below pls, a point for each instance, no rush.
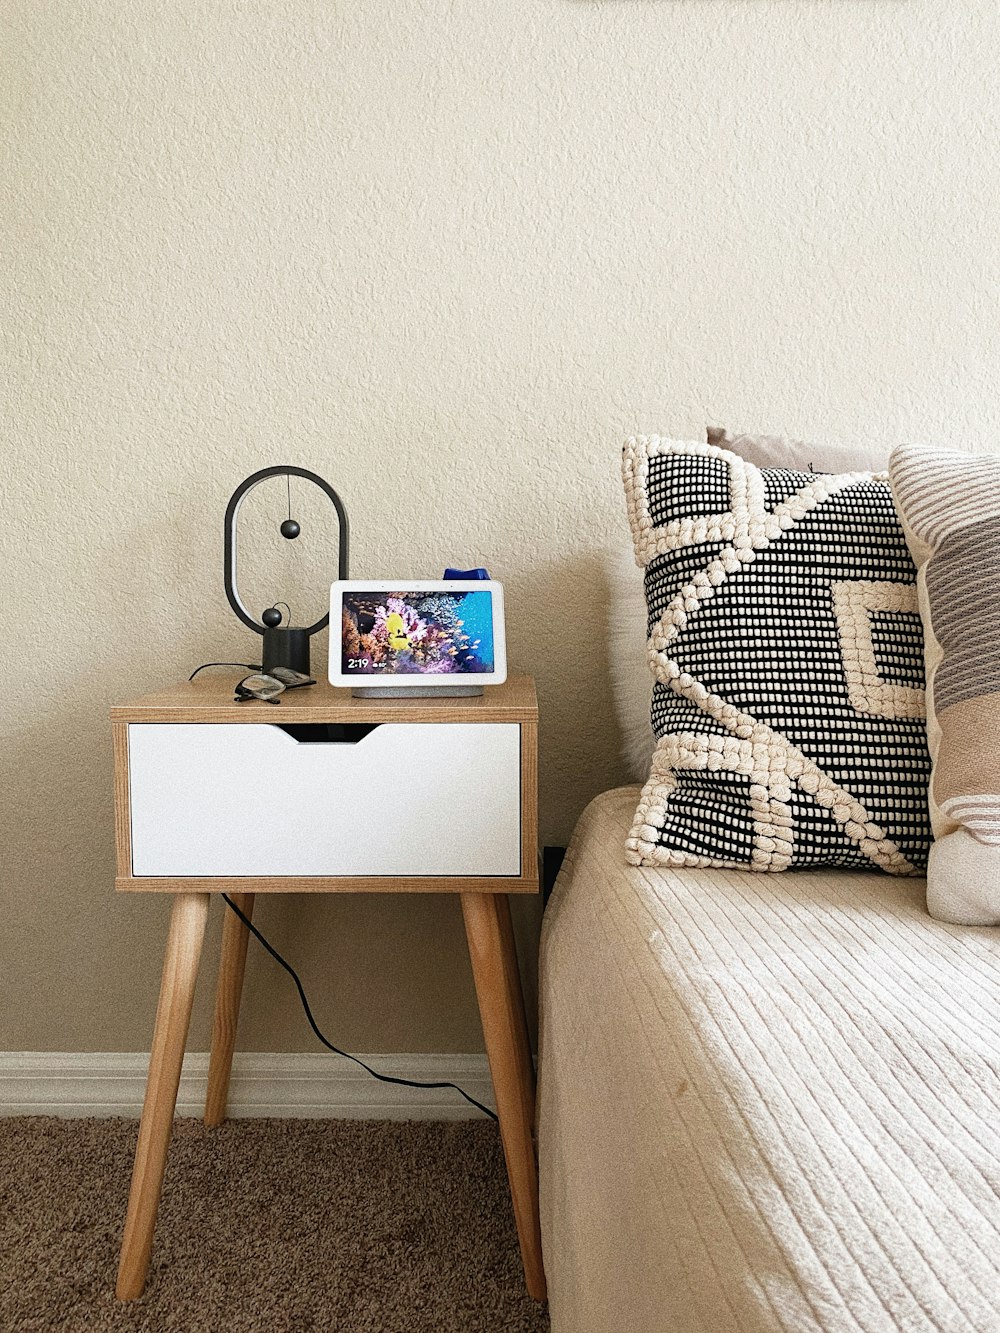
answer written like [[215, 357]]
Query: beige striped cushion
[[950, 506]]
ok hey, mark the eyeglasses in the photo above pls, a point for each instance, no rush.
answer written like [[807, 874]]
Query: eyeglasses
[[265, 687]]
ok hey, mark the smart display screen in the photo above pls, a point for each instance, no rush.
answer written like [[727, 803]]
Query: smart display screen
[[416, 633]]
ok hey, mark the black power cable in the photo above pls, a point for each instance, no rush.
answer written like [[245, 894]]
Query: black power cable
[[382, 1078]]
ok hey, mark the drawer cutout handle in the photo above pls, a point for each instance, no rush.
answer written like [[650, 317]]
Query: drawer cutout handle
[[327, 733]]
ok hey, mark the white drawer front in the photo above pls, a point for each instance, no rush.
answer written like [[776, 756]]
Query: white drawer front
[[405, 799]]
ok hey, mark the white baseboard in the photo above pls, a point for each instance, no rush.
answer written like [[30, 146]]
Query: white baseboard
[[315, 1085]]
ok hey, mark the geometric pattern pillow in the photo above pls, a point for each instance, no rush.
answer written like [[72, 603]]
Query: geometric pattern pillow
[[950, 507], [787, 651]]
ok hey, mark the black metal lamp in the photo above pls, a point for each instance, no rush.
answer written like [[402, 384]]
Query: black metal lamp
[[283, 645]]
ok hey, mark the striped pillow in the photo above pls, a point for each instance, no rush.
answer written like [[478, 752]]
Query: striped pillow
[[950, 506]]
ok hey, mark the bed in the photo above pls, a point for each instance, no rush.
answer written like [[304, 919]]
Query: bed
[[765, 1102]]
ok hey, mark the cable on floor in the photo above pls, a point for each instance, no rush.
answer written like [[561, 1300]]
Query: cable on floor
[[382, 1078]]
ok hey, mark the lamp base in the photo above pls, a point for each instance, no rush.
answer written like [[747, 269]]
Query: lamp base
[[286, 648]]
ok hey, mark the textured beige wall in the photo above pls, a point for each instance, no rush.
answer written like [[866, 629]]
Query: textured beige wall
[[446, 255]]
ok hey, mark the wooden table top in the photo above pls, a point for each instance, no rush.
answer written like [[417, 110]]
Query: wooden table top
[[209, 698]]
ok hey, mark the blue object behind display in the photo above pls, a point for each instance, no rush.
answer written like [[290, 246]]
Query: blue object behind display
[[457, 575]]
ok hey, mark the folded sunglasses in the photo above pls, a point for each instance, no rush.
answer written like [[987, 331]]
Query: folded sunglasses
[[266, 687]]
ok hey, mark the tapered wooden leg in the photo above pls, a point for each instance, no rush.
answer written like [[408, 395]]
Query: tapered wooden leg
[[173, 1015], [227, 1008], [501, 1007]]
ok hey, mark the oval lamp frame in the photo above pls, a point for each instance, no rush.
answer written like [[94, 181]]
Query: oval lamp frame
[[230, 538]]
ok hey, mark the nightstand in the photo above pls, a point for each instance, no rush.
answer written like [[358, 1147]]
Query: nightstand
[[317, 795]]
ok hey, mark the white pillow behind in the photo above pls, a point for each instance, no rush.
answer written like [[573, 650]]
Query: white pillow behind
[[765, 451]]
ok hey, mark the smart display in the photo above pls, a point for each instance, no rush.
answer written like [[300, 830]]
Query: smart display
[[417, 632]]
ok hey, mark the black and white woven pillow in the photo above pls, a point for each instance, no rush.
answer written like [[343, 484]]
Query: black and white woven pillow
[[787, 648]]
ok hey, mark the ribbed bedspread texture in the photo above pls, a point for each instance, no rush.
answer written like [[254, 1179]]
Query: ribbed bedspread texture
[[766, 1101]]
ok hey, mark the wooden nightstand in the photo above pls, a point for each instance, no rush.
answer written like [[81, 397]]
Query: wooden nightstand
[[213, 796]]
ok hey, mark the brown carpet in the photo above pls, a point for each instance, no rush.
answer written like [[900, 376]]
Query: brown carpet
[[265, 1226]]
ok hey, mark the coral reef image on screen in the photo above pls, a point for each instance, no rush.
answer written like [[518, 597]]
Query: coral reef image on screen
[[407, 633]]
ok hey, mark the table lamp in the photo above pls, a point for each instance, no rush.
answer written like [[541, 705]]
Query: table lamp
[[283, 645]]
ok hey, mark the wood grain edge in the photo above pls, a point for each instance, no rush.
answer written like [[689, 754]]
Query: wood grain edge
[[211, 701], [123, 816], [251, 714], [327, 884], [529, 801]]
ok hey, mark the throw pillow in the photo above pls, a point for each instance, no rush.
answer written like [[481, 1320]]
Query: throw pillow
[[780, 451], [786, 646], [950, 506], [630, 680]]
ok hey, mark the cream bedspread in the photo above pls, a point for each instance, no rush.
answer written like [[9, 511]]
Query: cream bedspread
[[765, 1102]]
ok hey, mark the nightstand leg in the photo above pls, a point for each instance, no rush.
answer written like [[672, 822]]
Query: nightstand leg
[[227, 1008], [501, 1007], [173, 1014]]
